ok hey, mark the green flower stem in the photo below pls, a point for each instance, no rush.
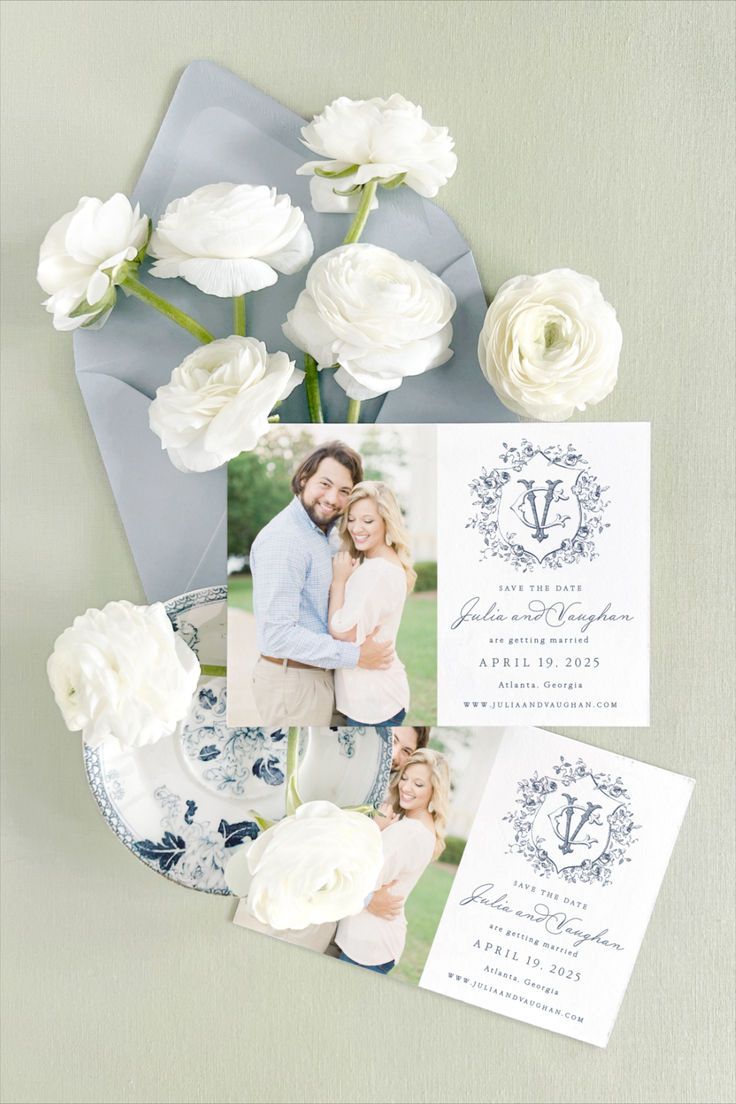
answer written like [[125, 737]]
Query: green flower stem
[[133, 285], [263, 823], [212, 669], [239, 315], [292, 752], [311, 380], [367, 193], [293, 801], [311, 384]]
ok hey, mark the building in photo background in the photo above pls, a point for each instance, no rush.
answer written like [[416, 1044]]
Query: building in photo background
[[471, 752]]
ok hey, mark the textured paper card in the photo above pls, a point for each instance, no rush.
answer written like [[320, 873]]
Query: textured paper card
[[558, 881], [544, 574], [548, 857]]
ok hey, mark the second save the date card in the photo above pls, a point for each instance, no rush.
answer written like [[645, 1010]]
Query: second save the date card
[[515, 869]]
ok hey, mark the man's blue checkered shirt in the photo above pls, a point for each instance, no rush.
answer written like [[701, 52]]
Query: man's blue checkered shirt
[[291, 563]]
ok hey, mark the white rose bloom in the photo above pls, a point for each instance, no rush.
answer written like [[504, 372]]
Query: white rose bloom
[[314, 867], [379, 317], [85, 254], [229, 239], [377, 140], [218, 400], [122, 672], [550, 344]]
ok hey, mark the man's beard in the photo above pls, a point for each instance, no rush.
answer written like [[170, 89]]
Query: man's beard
[[319, 521]]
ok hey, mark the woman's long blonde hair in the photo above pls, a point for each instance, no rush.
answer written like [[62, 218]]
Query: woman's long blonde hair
[[390, 512], [439, 806]]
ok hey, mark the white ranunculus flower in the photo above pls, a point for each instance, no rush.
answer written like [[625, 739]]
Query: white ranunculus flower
[[379, 317], [218, 400], [122, 672], [314, 867], [377, 139], [229, 239], [550, 344], [85, 254]]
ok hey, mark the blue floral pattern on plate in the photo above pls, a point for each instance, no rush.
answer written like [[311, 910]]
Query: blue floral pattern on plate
[[184, 805], [346, 739], [227, 758]]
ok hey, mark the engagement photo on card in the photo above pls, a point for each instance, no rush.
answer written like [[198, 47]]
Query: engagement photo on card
[[421, 825], [433, 794], [332, 577]]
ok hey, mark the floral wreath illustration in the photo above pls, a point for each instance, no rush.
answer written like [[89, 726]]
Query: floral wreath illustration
[[532, 507], [571, 819]]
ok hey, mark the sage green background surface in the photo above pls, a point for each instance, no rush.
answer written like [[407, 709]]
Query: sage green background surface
[[595, 135]]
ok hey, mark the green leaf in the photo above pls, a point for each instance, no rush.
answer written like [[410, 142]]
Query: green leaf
[[337, 175], [123, 271], [293, 797], [263, 823], [83, 308], [394, 182], [90, 322], [142, 251], [105, 303], [348, 191]]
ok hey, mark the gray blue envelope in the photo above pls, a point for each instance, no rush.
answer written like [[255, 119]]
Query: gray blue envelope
[[220, 128]]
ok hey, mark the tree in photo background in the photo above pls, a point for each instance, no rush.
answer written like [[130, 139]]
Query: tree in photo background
[[259, 482], [259, 485]]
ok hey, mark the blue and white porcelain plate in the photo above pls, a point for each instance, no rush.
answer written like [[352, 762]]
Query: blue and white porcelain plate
[[185, 804]]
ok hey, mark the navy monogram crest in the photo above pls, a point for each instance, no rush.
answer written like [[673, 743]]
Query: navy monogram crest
[[542, 507], [572, 827], [573, 823], [562, 824]]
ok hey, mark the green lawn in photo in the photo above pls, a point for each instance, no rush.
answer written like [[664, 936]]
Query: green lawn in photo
[[423, 911], [417, 648], [416, 645], [240, 592]]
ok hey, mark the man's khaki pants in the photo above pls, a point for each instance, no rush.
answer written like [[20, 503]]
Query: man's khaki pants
[[293, 696]]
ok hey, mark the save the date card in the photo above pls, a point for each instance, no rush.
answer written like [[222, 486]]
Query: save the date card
[[543, 574], [510, 868]]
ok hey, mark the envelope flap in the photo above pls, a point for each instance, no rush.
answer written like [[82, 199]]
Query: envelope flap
[[154, 499]]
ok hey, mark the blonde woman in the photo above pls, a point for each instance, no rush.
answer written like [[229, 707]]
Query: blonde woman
[[412, 838], [371, 577]]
